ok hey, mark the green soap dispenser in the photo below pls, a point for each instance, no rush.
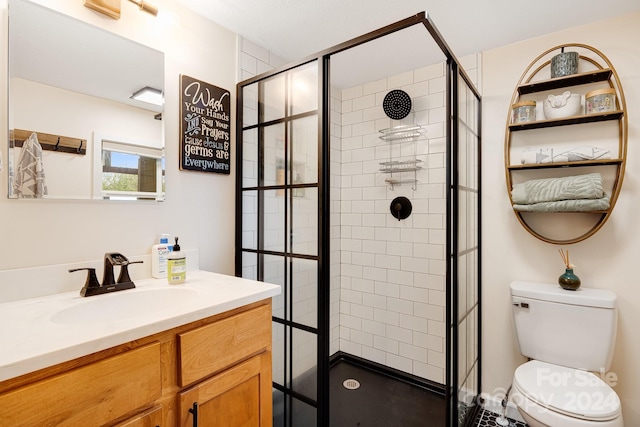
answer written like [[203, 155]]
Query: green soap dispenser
[[176, 265]]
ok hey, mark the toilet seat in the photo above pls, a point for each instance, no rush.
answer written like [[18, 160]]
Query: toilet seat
[[571, 392]]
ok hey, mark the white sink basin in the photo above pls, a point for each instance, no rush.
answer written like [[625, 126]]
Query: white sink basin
[[124, 305]]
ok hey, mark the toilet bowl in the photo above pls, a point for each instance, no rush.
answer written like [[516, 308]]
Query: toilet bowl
[[566, 335], [557, 396]]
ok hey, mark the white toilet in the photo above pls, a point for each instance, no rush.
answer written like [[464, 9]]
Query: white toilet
[[568, 336]]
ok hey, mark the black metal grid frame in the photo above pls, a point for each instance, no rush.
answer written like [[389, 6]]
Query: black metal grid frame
[[454, 251], [323, 58]]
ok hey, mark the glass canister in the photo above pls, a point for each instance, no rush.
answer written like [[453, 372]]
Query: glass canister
[[564, 64], [524, 112], [600, 101]]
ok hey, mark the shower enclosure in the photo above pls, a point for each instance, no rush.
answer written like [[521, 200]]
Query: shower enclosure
[[315, 185]]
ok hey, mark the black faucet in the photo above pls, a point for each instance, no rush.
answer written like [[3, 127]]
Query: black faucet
[[93, 287]]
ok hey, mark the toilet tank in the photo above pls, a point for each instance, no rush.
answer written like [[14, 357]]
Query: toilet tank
[[576, 329]]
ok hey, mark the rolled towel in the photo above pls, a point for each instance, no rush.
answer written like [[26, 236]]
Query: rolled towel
[[587, 186]]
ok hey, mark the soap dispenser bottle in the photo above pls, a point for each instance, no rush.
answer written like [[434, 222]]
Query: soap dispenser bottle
[[176, 265], [159, 253]]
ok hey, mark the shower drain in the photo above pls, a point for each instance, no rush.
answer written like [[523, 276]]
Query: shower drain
[[351, 384]]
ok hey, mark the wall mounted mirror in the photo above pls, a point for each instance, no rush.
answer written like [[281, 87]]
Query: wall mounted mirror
[[69, 84]]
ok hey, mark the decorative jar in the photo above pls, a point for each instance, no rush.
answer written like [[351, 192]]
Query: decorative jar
[[600, 100], [524, 112], [569, 281], [564, 64]]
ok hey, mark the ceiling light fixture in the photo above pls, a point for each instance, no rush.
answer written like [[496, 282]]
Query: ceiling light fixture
[[143, 5], [149, 95]]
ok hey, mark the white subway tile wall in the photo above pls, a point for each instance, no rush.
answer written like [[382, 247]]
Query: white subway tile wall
[[390, 274]]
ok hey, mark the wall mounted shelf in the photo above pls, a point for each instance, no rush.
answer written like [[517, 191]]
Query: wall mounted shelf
[[574, 120], [596, 71], [49, 142], [601, 75]]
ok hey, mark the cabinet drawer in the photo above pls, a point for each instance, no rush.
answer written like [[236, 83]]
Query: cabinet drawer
[[93, 394], [211, 348]]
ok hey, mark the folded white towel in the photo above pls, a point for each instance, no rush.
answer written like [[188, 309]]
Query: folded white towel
[[556, 155]]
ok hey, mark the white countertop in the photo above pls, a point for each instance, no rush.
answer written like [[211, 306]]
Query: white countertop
[[41, 332]]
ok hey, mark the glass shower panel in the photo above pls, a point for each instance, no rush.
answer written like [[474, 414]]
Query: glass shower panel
[[463, 271], [250, 158], [303, 414], [279, 198], [462, 353], [273, 154], [304, 360], [472, 349], [274, 238], [273, 98], [467, 249], [274, 272], [250, 265], [472, 279], [304, 222], [278, 352], [278, 408], [304, 88], [250, 220], [304, 147], [304, 293]]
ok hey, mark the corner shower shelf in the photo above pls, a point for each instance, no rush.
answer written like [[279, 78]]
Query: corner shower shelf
[[400, 166], [399, 135], [406, 133]]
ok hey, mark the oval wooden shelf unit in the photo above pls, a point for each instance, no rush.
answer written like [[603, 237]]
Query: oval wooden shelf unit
[[595, 71]]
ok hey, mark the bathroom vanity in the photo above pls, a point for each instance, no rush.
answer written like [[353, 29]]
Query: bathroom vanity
[[157, 355]]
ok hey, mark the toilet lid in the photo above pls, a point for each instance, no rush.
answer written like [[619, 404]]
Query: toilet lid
[[573, 392]]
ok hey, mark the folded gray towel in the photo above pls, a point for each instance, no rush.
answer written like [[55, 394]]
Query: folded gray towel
[[581, 205], [587, 186]]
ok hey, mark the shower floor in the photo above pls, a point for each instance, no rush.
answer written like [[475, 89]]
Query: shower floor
[[381, 400]]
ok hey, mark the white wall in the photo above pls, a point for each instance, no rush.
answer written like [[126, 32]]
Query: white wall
[[199, 207], [606, 260]]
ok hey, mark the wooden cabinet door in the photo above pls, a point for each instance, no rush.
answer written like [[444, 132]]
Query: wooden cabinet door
[[237, 397], [149, 418]]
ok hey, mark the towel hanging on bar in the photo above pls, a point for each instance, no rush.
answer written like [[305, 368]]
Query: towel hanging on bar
[[30, 179]]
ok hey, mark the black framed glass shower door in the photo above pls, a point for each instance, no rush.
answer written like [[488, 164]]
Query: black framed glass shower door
[[278, 207], [463, 314]]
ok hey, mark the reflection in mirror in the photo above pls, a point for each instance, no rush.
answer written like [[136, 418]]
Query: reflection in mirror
[[69, 80], [127, 170]]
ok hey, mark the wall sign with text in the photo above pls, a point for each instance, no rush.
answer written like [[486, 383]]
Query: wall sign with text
[[205, 126]]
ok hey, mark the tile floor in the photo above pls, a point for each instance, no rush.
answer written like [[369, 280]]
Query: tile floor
[[488, 419]]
